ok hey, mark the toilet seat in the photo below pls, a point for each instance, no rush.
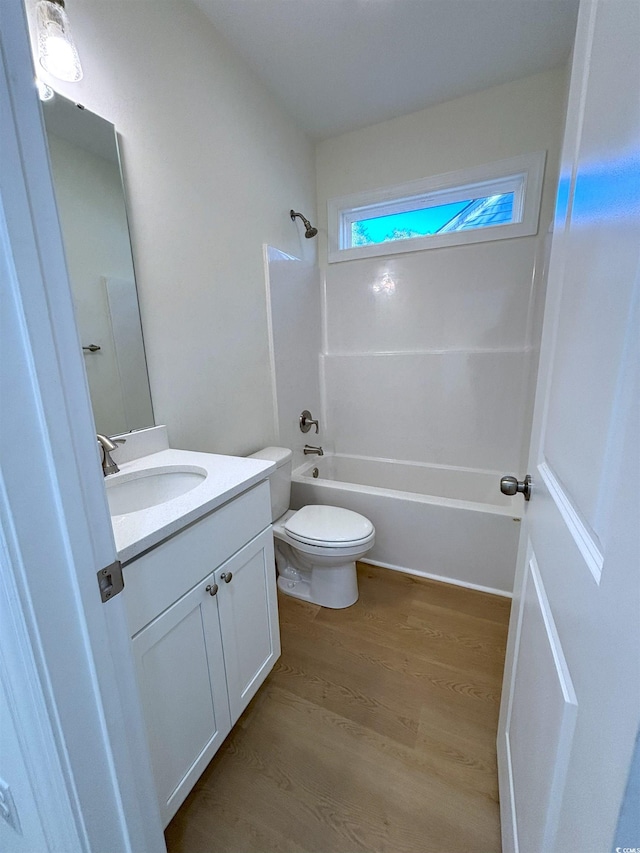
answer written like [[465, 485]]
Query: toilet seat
[[320, 550], [329, 527]]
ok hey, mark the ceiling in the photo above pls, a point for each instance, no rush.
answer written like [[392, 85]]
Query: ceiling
[[338, 65]]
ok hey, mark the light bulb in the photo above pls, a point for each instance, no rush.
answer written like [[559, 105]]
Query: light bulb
[[57, 52]]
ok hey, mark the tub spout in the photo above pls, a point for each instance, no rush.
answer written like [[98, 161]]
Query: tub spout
[[309, 450]]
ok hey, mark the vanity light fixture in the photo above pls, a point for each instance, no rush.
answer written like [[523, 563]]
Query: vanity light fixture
[[57, 52]]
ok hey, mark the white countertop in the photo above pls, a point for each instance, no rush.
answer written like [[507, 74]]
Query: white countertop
[[227, 477]]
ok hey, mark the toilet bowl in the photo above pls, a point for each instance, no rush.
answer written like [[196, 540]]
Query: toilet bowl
[[316, 547]]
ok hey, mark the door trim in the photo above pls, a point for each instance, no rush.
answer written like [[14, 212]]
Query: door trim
[[508, 811], [585, 539]]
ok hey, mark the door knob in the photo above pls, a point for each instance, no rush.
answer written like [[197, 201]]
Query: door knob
[[511, 486], [226, 577], [212, 588]]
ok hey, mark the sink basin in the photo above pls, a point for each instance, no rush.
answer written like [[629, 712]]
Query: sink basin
[[144, 489]]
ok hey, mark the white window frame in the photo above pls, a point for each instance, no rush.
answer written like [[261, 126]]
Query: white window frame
[[521, 175]]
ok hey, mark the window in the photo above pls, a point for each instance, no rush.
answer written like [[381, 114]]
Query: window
[[491, 202]]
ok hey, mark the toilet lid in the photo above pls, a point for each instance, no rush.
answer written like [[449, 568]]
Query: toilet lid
[[322, 524]]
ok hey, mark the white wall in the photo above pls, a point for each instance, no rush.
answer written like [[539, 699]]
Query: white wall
[[212, 166], [428, 355], [295, 308]]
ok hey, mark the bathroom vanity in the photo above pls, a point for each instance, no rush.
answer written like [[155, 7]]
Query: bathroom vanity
[[200, 592]]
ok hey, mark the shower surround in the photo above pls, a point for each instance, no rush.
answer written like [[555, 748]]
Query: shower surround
[[430, 356], [426, 357]]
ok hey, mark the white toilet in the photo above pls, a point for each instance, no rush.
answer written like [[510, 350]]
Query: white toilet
[[316, 546]]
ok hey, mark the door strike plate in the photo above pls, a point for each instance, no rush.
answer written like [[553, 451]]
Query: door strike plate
[[110, 581]]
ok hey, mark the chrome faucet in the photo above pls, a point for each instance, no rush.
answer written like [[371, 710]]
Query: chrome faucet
[[108, 446], [309, 450]]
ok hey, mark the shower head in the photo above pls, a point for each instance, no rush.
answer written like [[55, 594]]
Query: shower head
[[310, 230]]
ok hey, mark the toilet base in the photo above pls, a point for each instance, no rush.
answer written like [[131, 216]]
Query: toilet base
[[296, 589], [335, 587]]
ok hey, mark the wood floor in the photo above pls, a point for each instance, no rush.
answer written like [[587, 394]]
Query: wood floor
[[375, 731]]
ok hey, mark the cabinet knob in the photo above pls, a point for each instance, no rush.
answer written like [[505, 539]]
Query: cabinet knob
[[212, 588], [226, 577]]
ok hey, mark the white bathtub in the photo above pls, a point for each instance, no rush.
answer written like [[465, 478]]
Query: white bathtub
[[451, 524]]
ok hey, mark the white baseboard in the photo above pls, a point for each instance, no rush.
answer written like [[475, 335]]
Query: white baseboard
[[439, 578]]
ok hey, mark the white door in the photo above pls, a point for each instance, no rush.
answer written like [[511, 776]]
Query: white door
[[571, 700], [75, 767]]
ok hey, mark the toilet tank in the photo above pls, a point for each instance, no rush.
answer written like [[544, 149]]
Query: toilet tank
[[280, 479]]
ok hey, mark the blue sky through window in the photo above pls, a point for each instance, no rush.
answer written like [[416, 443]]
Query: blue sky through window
[[458, 216]]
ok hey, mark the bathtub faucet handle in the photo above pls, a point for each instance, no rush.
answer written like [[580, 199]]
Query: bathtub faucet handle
[[307, 421]]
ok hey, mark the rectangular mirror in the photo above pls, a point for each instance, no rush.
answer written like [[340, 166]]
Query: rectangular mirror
[[91, 205]]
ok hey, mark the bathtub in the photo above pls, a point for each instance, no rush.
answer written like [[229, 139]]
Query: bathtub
[[449, 524]]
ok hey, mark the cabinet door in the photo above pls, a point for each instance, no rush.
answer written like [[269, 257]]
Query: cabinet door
[[181, 674], [248, 607]]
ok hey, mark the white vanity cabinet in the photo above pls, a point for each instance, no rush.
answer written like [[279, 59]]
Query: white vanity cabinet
[[181, 675], [202, 609]]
